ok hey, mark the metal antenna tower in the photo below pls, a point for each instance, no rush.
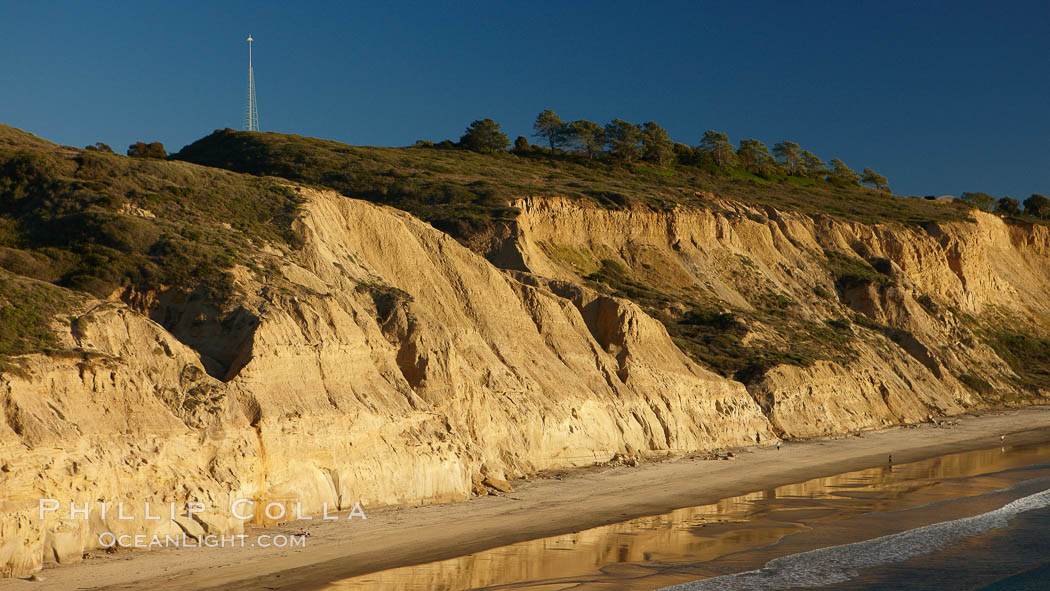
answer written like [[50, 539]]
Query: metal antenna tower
[[251, 115]]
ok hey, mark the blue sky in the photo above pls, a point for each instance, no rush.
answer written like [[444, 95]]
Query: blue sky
[[941, 97]]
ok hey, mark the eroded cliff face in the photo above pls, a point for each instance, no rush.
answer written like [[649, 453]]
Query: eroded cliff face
[[386, 363], [906, 361]]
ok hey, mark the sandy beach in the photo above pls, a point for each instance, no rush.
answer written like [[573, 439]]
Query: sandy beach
[[554, 504]]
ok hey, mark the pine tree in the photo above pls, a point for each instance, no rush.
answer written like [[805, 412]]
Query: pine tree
[[715, 145], [550, 127], [875, 179], [754, 156], [484, 136], [656, 144], [813, 166], [842, 174], [587, 136], [789, 155], [624, 139]]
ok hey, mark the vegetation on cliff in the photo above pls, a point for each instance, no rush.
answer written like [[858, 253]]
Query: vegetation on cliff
[[464, 192], [27, 309], [106, 224], [717, 335], [1027, 352], [98, 222], [95, 221]]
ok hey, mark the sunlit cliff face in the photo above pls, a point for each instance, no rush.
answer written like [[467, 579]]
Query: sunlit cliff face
[[387, 363]]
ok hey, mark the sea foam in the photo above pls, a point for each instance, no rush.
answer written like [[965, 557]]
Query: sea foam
[[836, 564]]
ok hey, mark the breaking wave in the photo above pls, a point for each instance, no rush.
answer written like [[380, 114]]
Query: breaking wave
[[837, 564]]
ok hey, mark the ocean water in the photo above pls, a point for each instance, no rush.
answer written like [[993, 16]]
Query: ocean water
[[955, 554], [1012, 558], [970, 520]]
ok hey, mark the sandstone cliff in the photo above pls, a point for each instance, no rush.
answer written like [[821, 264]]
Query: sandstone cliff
[[916, 332], [384, 362]]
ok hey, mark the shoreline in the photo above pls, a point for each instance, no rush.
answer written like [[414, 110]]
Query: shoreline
[[556, 503]]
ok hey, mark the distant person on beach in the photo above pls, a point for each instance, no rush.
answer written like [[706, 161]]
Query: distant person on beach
[[891, 458], [778, 446]]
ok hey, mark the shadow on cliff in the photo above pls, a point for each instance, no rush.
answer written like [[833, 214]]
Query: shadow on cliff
[[219, 331]]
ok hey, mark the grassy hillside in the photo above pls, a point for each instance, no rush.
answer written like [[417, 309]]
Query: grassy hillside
[[16, 138], [95, 221], [27, 309], [461, 191], [98, 222]]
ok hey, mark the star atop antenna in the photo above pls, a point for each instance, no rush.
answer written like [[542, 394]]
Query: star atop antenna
[[249, 38]]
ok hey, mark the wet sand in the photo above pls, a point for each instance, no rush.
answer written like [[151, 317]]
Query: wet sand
[[740, 533], [540, 508]]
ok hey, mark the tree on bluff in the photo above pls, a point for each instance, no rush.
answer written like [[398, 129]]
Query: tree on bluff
[[656, 144], [1008, 206], [982, 201], [870, 177], [521, 145], [484, 136], [813, 166], [624, 139], [587, 136], [716, 148], [789, 155], [550, 127], [842, 174], [99, 147], [1037, 206], [754, 157], [144, 150]]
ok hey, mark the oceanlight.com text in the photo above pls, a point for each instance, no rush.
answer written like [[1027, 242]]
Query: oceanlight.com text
[[146, 542]]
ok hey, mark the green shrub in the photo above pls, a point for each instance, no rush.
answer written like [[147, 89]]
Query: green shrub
[[28, 309], [1028, 355], [850, 271], [977, 384], [144, 150], [842, 324]]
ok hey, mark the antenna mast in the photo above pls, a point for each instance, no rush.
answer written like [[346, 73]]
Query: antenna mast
[[251, 115]]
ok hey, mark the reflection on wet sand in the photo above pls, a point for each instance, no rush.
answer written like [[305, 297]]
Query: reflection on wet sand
[[705, 540]]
